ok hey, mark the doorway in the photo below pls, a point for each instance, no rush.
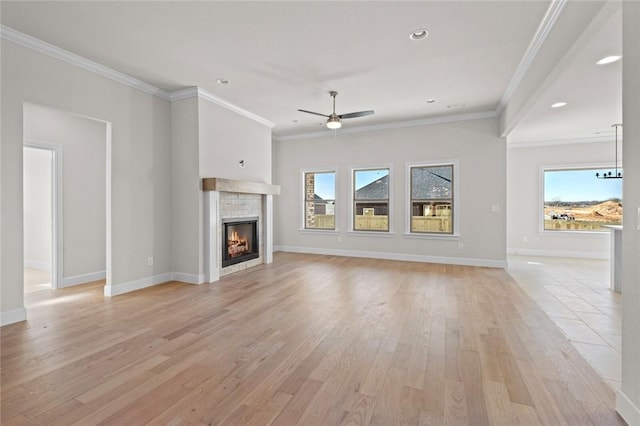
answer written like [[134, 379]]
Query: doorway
[[41, 170]]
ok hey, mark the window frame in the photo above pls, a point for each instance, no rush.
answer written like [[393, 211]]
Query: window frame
[[455, 200], [352, 204], [303, 206], [541, 188]]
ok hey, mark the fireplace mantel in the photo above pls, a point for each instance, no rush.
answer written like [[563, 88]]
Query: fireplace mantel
[[231, 185], [217, 190]]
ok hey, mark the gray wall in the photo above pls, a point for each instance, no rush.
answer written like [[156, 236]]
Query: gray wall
[[628, 399], [474, 144], [140, 166], [83, 143], [524, 200], [37, 208]]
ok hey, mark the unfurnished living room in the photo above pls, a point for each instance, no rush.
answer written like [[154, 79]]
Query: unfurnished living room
[[320, 212]]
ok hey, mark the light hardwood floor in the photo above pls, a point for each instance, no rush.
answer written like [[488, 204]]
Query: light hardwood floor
[[306, 340]]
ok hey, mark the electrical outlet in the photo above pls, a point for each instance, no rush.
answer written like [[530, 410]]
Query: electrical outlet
[[525, 239], [150, 261], [460, 246], [495, 208]]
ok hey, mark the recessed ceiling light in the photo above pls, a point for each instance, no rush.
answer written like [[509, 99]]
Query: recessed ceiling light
[[609, 59], [558, 105], [222, 81], [430, 101], [419, 34]]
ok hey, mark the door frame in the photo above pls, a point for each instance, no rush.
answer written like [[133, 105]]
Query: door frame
[[56, 206]]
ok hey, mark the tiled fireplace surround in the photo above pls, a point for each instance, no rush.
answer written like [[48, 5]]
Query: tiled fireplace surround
[[227, 199]]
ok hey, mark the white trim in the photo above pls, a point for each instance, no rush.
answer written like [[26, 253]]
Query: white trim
[[545, 27], [108, 205], [392, 125], [556, 167], [36, 264], [114, 290], [555, 142], [396, 256], [57, 220], [212, 254], [56, 52], [559, 253], [302, 205], [352, 194], [456, 198], [192, 92], [13, 316], [267, 233], [629, 411], [187, 278], [83, 279]]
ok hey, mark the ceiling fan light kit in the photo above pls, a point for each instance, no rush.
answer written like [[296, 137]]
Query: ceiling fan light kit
[[334, 121]]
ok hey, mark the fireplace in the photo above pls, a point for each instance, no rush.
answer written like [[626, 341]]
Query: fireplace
[[240, 240]]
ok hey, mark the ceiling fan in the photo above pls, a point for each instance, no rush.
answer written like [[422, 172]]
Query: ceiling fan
[[334, 121]]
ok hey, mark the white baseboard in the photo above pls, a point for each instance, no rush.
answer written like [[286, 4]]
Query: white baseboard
[[627, 409], [187, 278], [35, 264], [560, 253], [396, 256], [10, 317], [83, 279], [114, 290]]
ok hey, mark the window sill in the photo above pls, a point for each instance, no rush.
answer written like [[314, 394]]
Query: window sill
[[319, 231], [446, 237], [574, 233], [379, 234]]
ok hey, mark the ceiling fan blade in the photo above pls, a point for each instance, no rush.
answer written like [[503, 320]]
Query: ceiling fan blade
[[311, 112], [357, 114]]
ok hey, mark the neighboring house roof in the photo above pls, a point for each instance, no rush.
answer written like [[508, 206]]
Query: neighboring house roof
[[431, 182], [376, 190], [428, 183]]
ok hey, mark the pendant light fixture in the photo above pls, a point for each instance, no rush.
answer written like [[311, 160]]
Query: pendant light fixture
[[617, 174]]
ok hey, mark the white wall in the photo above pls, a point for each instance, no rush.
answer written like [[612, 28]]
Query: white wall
[[140, 176], [524, 203], [208, 140], [37, 208], [226, 138], [84, 149], [186, 206], [474, 143], [628, 398]]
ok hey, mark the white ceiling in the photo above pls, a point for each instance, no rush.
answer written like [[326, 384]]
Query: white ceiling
[[281, 56]]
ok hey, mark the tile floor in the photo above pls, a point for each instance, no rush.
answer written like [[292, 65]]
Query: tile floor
[[575, 295]]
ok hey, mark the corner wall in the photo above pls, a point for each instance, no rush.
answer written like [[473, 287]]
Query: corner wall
[[474, 143], [83, 143], [140, 163], [524, 202], [628, 397]]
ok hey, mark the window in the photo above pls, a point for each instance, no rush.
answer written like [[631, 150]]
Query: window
[[575, 200], [319, 200], [432, 199], [371, 200]]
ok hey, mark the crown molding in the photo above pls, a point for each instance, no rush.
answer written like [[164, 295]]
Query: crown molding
[[393, 125], [56, 52], [545, 27], [555, 142], [196, 92]]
